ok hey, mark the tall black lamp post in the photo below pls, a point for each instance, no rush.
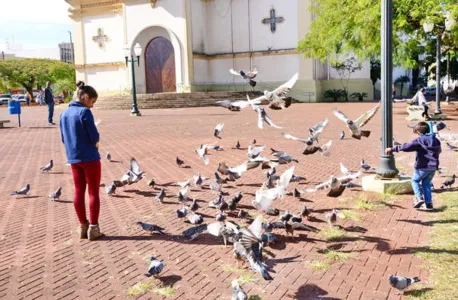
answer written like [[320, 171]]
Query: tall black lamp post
[[132, 60], [387, 167], [428, 27]]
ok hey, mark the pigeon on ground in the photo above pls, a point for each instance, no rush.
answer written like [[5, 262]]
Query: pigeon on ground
[[247, 76], [237, 292], [215, 187], [332, 217], [449, 182], [236, 105], [268, 238], [262, 116], [218, 179], [296, 193], [402, 283], [184, 184], [296, 219], [56, 194], [110, 189], [334, 184], [272, 212], [48, 167], [237, 146], [286, 216], [179, 162], [253, 141], [151, 228], [195, 219], [342, 135], [108, 156], [305, 212], [181, 213], [451, 147], [182, 194], [218, 129], [289, 228], [365, 166], [160, 196], [151, 183], [242, 214], [155, 267], [276, 97], [254, 152], [194, 206], [355, 126], [22, 191], [221, 217], [215, 147], [194, 231]]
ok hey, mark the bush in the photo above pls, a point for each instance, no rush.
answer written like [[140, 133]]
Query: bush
[[359, 96], [334, 94]]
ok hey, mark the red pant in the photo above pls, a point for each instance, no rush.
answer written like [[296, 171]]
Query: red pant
[[87, 173]]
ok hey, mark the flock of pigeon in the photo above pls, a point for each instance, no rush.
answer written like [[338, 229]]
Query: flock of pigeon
[[249, 242]]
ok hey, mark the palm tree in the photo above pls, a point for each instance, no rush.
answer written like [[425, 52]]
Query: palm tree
[[402, 79]]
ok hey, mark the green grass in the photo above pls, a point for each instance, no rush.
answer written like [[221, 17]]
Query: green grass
[[165, 291], [232, 269], [256, 297], [350, 215], [319, 265], [333, 234], [336, 255], [441, 253], [140, 288], [362, 202], [244, 279]]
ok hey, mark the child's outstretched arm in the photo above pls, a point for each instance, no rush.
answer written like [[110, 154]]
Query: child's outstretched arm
[[407, 147]]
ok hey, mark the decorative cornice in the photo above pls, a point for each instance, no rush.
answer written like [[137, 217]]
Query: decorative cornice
[[83, 8], [101, 65], [205, 56]]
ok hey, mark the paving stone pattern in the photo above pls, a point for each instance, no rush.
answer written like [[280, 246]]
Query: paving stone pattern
[[41, 256]]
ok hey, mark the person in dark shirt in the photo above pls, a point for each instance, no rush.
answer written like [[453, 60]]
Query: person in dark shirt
[[81, 139], [49, 100], [428, 149]]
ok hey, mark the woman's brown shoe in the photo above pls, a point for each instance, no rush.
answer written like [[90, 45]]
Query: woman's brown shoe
[[84, 228], [94, 232]]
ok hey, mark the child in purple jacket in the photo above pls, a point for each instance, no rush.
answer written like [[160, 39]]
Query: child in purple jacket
[[428, 148]]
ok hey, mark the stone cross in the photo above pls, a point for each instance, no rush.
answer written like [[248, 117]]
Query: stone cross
[[273, 20], [100, 38]]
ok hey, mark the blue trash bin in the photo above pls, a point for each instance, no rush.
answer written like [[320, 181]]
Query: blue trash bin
[[14, 107]]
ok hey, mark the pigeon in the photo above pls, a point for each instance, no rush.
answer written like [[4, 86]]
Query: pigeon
[[22, 191], [151, 227], [402, 283], [242, 214], [332, 217], [317, 129], [215, 187], [195, 219], [160, 196], [247, 76], [108, 156], [324, 150], [236, 105], [198, 180], [221, 217], [264, 198], [334, 184], [182, 194], [48, 167], [296, 193], [218, 129], [305, 212], [222, 205], [184, 184], [272, 212], [451, 147], [449, 182], [151, 183], [253, 141], [56, 194], [179, 162], [342, 135], [277, 153], [276, 97], [296, 219], [181, 213], [262, 116], [355, 126], [110, 189], [155, 267], [137, 173], [194, 231], [237, 146], [194, 206], [344, 170], [202, 152], [289, 228], [118, 183], [286, 216], [215, 147], [268, 238], [218, 179], [237, 292], [365, 166]]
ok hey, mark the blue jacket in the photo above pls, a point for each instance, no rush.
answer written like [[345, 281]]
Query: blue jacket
[[79, 134], [428, 148]]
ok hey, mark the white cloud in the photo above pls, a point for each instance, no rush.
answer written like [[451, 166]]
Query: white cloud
[[55, 11]]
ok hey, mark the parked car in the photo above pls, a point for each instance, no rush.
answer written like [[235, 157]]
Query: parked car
[[5, 98], [20, 98]]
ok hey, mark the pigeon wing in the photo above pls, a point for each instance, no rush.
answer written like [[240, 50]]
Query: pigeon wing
[[285, 178], [256, 226], [252, 74], [215, 228], [234, 72], [365, 117], [325, 148], [135, 167], [286, 87], [340, 115], [269, 121], [290, 137]]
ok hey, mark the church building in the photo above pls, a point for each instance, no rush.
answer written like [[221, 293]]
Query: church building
[[190, 45]]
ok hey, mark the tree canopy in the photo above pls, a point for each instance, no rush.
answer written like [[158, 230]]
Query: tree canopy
[[353, 26], [30, 72]]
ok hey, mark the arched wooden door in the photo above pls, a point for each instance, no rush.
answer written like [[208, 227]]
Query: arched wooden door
[[160, 66]]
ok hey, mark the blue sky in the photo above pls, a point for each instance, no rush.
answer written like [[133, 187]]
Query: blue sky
[[34, 23]]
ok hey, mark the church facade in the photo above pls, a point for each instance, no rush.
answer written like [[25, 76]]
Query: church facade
[[190, 45]]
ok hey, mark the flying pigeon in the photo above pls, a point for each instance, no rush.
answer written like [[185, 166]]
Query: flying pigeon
[[202, 152], [262, 116], [108, 156], [342, 135], [56, 194], [317, 129], [276, 97], [218, 129], [355, 126], [48, 167], [155, 268], [151, 227], [237, 292], [137, 173], [254, 152], [248, 76], [449, 182], [402, 283], [334, 184], [236, 105], [324, 150], [344, 170], [110, 189], [22, 191], [179, 162]]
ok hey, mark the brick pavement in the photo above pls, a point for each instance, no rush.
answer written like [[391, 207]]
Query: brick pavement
[[41, 256]]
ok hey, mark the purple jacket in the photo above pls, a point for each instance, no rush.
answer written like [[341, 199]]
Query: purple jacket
[[428, 148]]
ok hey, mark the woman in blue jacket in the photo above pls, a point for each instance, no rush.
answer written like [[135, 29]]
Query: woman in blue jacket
[[81, 139]]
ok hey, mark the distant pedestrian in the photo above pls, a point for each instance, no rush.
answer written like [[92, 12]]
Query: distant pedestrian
[[39, 97], [428, 149], [49, 100], [81, 139], [28, 98]]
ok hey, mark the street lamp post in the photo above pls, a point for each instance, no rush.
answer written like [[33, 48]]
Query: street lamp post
[[428, 27], [132, 60], [387, 167]]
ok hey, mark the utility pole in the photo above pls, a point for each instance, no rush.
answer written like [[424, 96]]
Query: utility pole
[[71, 45]]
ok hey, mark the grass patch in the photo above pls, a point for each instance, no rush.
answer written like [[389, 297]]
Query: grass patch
[[244, 279], [232, 269], [319, 265], [165, 291], [334, 255], [362, 202], [68, 242], [333, 234], [350, 215], [140, 288], [256, 297], [440, 252]]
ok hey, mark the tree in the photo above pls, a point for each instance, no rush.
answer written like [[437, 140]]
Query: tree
[[344, 26], [30, 72], [64, 87], [345, 68]]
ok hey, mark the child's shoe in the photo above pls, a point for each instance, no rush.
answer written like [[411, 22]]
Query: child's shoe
[[427, 207], [417, 203]]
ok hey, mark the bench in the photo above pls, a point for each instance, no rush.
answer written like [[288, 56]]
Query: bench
[[3, 122], [415, 113]]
